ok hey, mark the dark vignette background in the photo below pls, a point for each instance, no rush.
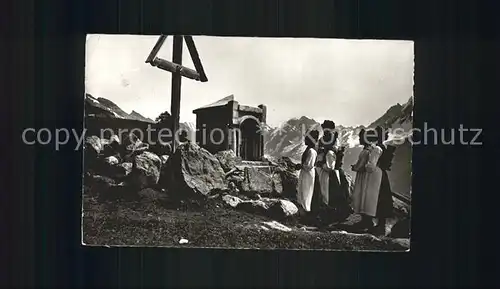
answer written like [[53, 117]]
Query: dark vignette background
[[46, 81]]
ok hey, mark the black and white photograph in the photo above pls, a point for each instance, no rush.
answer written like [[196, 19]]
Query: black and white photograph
[[247, 142]]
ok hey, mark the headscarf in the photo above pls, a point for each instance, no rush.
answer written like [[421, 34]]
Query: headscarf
[[310, 139]]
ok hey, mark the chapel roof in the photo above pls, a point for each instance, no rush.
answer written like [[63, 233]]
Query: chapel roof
[[221, 102]]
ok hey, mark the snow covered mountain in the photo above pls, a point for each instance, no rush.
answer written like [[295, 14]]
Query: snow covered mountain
[[102, 107], [106, 108], [135, 115]]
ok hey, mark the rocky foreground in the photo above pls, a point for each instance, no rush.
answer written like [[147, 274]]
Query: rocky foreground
[[141, 195]]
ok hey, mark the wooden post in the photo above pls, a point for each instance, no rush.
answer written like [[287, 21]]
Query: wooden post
[[178, 71], [176, 89]]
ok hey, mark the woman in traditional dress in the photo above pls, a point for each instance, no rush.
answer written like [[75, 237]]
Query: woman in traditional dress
[[368, 179], [324, 165], [384, 204], [345, 211], [323, 160], [307, 172], [334, 186]]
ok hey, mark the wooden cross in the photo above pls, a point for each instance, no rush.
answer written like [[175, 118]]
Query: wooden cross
[[178, 71]]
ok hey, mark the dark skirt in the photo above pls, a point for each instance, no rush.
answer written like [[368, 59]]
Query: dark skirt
[[384, 205], [317, 201], [339, 196], [338, 208]]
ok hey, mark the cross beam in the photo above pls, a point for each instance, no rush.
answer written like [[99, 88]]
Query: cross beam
[[178, 71], [175, 67]]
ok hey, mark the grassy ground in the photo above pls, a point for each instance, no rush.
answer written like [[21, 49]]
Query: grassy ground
[[152, 222]]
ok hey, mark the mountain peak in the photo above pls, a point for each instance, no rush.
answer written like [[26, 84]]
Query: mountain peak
[[111, 105], [135, 115], [388, 117]]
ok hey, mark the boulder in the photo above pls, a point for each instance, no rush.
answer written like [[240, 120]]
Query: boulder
[[124, 169], [93, 144], [107, 166], [284, 209], [194, 171], [259, 207], [403, 242], [236, 176], [145, 170], [132, 146], [112, 168], [289, 176], [270, 207], [277, 226], [259, 182], [111, 161], [92, 148], [401, 208], [228, 159], [289, 182], [112, 147], [130, 139], [114, 139], [232, 201]]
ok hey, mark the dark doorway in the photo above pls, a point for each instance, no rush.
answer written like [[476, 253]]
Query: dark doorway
[[250, 149]]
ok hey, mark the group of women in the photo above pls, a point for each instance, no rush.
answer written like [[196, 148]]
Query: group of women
[[323, 190]]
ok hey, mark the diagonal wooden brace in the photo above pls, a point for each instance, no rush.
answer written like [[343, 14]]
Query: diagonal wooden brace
[[195, 57], [156, 48]]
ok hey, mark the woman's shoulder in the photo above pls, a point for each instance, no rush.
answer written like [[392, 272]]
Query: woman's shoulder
[[377, 149]]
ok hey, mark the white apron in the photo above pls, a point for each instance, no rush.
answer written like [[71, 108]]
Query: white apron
[[367, 183], [306, 180]]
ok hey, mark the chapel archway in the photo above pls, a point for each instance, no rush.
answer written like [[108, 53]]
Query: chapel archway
[[251, 139]]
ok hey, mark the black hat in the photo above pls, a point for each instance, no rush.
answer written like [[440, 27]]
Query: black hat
[[328, 124]]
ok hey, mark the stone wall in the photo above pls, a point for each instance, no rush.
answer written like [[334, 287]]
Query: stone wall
[[213, 121]]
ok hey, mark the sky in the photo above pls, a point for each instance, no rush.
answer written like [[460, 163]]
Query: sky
[[352, 82]]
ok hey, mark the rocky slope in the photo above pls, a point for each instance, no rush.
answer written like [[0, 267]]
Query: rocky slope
[[106, 108], [135, 194], [135, 115]]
